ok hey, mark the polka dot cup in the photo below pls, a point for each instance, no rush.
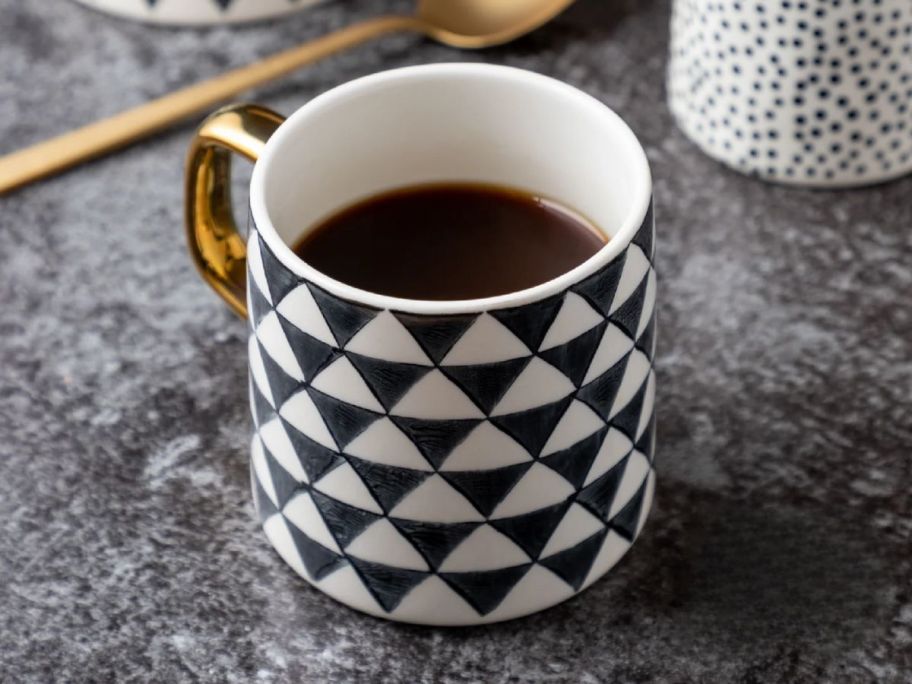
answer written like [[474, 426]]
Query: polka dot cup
[[807, 92]]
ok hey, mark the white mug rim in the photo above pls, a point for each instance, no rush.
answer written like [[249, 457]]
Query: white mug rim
[[620, 239]]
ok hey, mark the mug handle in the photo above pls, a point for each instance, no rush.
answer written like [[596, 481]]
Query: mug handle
[[216, 246]]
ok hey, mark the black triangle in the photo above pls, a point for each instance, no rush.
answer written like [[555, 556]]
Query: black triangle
[[281, 384], [644, 238], [574, 357], [533, 427], [262, 411], [436, 335], [279, 279], [259, 307], [600, 393], [599, 495], [486, 383], [530, 322], [573, 463], [628, 418], [625, 522], [344, 521], [343, 318], [645, 343], [345, 421], [315, 458], [312, 354], [531, 531], [484, 591], [627, 315], [388, 484], [389, 380], [388, 585], [435, 438], [599, 288], [265, 508], [645, 443], [573, 564], [318, 560], [282, 481], [486, 488], [435, 541]]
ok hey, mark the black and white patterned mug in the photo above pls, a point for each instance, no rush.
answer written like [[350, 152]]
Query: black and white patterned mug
[[440, 462], [808, 92]]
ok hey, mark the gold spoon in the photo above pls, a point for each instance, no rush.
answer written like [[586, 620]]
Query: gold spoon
[[460, 23]]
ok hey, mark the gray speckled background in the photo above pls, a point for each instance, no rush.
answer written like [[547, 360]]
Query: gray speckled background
[[780, 548]]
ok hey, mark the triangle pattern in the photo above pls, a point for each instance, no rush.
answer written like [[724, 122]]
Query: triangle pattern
[[573, 359], [540, 486], [577, 525], [281, 384], [486, 383], [388, 585], [344, 484], [636, 267], [386, 338], [258, 305], [627, 520], [318, 560], [645, 443], [635, 376], [485, 549], [645, 237], [344, 318], [575, 317], [486, 447], [283, 484], [264, 505], [598, 497], [382, 543], [273, 342], [341, 381], [612, 348], [262, 410], [345, 421], [531, 531], [636, 473], [435, 597], [257, 369], [615, 447], [601, 392], [487, 341], [435, 500], [533, 427], [436, 335], [344, 521], [388, 484], [485, 590], [389, 381], [649, 298], [627, 316], [613, 549], [530, 322], [599, 288], [577, 423], [259, 469], [301, 412], [301, 512], [280, 280], [435, 541], [315, 458], [276, 441], [573, 565], [647, 409], [435, 438], [646, 342], [573, 463], [538, 587], [486, 488], [629, 418], [539, 383], [255, 273], [312, 354], [299, 309], [384, 443], [435, 397]]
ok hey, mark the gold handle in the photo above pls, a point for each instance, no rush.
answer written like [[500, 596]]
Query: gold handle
[[67, 150], [218, 250]]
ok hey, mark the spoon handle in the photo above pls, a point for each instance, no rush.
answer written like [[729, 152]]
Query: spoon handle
[[64, 151]]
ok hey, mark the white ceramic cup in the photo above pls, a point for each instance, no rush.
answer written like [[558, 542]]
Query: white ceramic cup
[[440, 462], [198, 11]]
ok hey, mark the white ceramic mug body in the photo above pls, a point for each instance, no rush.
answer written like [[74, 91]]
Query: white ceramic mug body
[[453, 462], [801, 92], [198, 11]]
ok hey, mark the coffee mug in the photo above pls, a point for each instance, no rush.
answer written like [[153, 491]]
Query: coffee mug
[[439, 462], [808, 93]]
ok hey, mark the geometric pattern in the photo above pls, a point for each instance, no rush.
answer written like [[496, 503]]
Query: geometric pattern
[[453, 469]]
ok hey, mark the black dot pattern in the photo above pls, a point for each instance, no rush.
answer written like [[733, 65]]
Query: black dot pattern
[[805, 91]]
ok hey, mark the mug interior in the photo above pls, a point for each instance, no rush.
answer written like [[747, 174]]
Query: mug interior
[[451, 122]]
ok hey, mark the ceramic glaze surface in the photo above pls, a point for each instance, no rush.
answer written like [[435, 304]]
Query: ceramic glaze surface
[[453, 469], [805, 92], [198, 11]]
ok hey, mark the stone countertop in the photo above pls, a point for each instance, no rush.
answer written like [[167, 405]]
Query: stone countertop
[[779, 548]]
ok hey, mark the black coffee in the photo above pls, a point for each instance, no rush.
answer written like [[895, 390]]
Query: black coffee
[[450, 241]]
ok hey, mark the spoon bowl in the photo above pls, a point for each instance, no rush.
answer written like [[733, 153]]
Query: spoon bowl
[[472, 24]]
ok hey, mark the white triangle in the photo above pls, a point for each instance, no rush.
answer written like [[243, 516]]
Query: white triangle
[[577, 423], [613, 548], [648, 405], [258, 371], [540, 383], [299, 308], [255, 267], [615, 447], [434, 500], [270, 334], [539, 487], [538, 589], [340, 380], [435, 397], [649, 299], [486, 341], [303, 514], [578, 524], [575, 317], [343, 484], [278, 535], [301, 413], [387, 339], [382, 442], [276, 440], [261, 469], [484, 549], [613, 346], [647, 502], [635, 373], [433, 603], [636, 266], [485, 448], [383, 543], [635, 474], [345, 586]]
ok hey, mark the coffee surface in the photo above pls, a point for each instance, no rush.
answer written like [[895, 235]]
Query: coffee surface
[[450, 241]]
